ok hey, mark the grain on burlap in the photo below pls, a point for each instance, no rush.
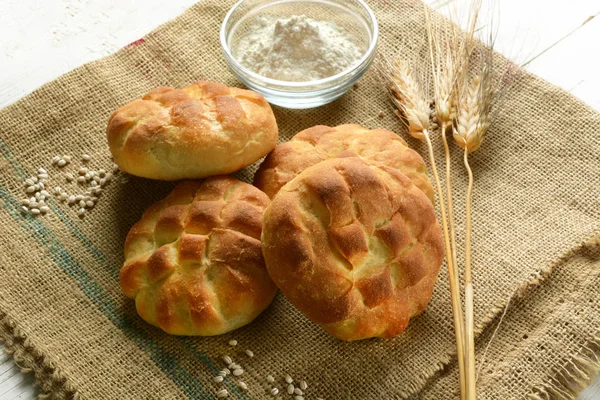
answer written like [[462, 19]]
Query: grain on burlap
[[537, 199]]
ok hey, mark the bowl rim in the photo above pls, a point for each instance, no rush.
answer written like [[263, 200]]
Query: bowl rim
[[292, 84]]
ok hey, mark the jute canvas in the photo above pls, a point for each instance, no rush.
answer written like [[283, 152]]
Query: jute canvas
[[536, 258]]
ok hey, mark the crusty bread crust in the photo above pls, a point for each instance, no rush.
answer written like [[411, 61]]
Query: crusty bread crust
[[354, 246], [193, 263], [202, 130], [320, 142]]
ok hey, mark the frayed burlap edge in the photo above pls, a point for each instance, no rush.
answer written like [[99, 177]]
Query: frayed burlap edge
[[573, 375], [30, 359]]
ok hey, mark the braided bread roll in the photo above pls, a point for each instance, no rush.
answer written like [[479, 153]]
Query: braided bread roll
[[193, 263], [202, 130], [356, 247], [320, 142]]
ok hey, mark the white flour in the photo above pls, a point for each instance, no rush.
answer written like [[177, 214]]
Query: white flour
[[297, 48]]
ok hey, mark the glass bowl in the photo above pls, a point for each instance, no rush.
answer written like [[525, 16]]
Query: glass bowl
[[353, 15]]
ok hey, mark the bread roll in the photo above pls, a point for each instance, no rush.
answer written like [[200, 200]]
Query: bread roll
[[356, 247], [193, 263], [320, 143], [202, 130]]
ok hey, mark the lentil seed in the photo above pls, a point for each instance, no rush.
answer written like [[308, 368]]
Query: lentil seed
[[238, 371], [25, 202], [222, 373], [222, 393], [298, 391], [233, 342], [274, 391], [290, 389], [82, 203], [55, 159], [89, 204], [30, 189], [35, 211], [250, 353], [61, 163], [227, 371], [288, 379], [218, 379], [227, 359], [44, 209], [303, 385], [67, 158]]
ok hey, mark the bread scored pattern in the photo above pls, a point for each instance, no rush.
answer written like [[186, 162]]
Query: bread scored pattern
[[202, 130], [356, 247], [193, 263], [319, 143]]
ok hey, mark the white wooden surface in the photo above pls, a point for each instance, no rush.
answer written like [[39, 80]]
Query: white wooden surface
[[42, 39]]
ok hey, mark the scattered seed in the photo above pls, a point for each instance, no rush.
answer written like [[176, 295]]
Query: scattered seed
[[102, 181], [82, 171], [227, 371], [29, 182], [42, 171], [30, 189], [44, 209], [227, 360], [299, 398], [63, 196], [222, 393], [108, 177], [81, 212], [233, 342], [303, 385], [24, 209], [288, 379], [89, 204], [249, 353], [102, 172], [78, 197], [243, 385], [45, 193], [42, 198], [55, 159], [71, 199], [270, 379], [94, 183], [274, 391], [222, 373], [38, 195], [238, 371], [81, 179], [57, 190], [34, 179], [69, 177], [298, 391], [25, 202], [61, 163], [42, 177], [36, 187], [35, 211], [218, 378], [290, 389], [86, 157], [94, 199], [115, 168], [32, 199], [82, 203], [34, 204]]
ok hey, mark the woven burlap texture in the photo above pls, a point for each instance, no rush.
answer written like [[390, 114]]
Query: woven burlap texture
[[536, 201]]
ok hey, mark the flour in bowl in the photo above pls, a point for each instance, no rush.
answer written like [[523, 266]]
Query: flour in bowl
[[297, 48]]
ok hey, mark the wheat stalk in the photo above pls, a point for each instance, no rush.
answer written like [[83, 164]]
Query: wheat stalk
[[409, 96]]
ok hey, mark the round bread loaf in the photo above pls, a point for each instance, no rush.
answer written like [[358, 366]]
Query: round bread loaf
[[193, 263], [354, 246], [202, 130], [319, 143]]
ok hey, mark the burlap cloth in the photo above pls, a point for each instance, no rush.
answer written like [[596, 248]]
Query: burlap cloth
[[536, 213]]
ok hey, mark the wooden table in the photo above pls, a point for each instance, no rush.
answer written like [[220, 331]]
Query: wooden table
[[557, 40]]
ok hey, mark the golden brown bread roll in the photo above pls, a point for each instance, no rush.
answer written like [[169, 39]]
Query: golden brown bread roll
[[319, 143], [202, 130], [356, 247], [193, 263]]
